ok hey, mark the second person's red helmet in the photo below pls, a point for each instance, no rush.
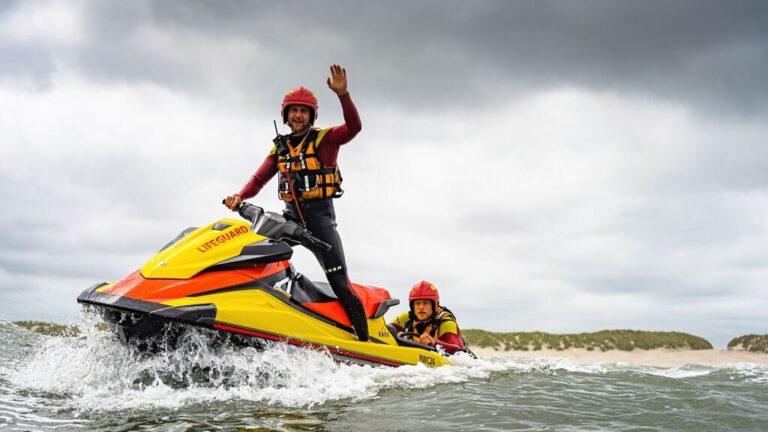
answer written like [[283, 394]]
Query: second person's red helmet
[[424, 291], [300, 96]]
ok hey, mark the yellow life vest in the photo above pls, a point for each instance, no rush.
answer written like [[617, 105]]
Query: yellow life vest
[[302, 175], [430, 326]]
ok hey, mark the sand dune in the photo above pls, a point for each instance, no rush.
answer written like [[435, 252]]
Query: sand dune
[[658, 357]]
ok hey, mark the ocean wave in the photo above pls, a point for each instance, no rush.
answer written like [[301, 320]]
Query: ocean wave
[[747, 372], [752, 373], [95, 373]]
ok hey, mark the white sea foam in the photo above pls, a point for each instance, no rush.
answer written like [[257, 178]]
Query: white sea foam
[[98, 373], [751, 372], [550, 365], [678, 372], [94, 372], [754, 373]]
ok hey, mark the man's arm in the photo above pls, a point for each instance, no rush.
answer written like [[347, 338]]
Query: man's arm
[[450, 341], [266, 171], [397, 326], [400, 322], [328, 151], [448, 336], [344, 132]]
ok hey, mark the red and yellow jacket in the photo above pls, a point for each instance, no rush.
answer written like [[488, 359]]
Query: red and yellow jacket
[[324, 150], [441, 326]]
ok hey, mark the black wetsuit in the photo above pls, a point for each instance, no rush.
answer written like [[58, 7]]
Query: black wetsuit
[[320, 218], [319, 213]]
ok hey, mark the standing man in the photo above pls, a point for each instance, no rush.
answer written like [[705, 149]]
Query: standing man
[[309, 179]]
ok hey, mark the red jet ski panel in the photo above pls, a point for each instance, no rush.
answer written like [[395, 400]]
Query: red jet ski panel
[[159, 290], [371, 297]]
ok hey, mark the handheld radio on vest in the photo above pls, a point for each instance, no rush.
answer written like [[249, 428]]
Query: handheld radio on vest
[[277, 133]]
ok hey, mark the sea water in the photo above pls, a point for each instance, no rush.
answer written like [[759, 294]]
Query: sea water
[[91, 382]]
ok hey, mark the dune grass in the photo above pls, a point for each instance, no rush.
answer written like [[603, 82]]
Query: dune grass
[[606, 340], [751, 343], [55, 329], [49, 328]]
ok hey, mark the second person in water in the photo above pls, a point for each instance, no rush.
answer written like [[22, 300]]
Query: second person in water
[[427, 321]]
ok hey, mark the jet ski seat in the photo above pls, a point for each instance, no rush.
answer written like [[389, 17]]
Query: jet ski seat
[[320, 298]]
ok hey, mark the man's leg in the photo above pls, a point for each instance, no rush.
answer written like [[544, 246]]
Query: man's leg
[[335, 268], [320, 217]]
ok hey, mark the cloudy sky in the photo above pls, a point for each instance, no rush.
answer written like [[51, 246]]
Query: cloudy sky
[[562, 166]]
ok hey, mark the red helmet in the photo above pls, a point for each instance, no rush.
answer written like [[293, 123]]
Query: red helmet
[[300, 96], [424, 291]]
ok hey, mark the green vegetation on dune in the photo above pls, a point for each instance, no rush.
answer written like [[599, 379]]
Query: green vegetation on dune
[[49, 328], [54, 329], [606, 340], [751, 343]]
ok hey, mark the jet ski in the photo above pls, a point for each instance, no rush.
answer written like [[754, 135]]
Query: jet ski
[[236, 279]]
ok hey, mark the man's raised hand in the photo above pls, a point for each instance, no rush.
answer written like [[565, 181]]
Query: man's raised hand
[[338, 80]]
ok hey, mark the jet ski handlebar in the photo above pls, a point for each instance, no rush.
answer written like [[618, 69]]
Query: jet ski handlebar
[[286, 230], [250, 212]]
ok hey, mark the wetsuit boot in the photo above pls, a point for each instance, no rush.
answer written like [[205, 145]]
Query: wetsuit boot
[[352, 305]]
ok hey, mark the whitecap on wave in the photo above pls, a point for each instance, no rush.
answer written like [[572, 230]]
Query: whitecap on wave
[[95, 372], [755, 373]]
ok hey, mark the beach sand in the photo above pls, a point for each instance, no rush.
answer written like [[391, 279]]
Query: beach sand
[[659, 357]]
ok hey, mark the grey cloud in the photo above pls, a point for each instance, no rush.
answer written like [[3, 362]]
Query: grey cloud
[[443, 53], [421, 56], [710, 55], [28, 65]]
